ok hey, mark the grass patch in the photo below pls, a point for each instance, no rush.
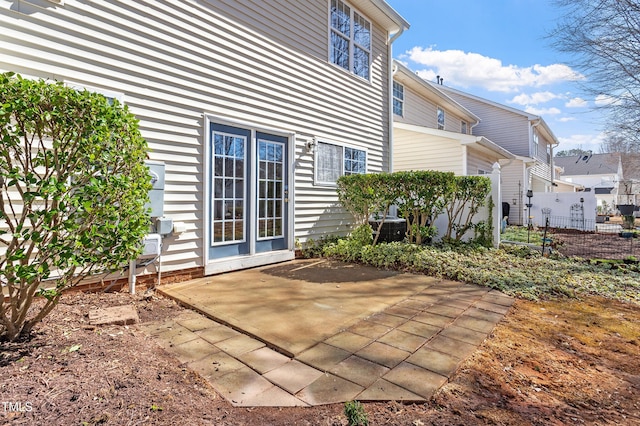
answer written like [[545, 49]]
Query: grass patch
[[515, 270], [520, 234]]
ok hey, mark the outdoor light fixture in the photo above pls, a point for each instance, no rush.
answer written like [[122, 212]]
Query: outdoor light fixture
[[529, 196], [311, 146]]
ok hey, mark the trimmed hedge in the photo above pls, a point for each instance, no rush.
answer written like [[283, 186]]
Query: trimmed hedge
[[420, 196]]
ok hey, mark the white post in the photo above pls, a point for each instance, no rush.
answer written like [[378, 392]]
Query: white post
[[132, 276], [496, 195]]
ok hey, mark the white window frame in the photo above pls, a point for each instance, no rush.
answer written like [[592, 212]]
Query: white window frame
[[353, 44], [535, 143], [398, 100], [109, 94], [317, 143], [439, 113], [464, 126]]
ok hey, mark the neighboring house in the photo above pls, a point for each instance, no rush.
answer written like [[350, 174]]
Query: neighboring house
[[431, 131], [254, 110], [527, 136], [597, 173]]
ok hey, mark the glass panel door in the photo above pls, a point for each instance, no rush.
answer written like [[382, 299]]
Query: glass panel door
[[249, 192], [230, 155], [272, 192]]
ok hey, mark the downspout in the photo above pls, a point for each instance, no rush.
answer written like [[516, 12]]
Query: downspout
[[391, 71]]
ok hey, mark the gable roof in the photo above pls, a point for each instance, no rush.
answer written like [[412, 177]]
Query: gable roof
[[533, 118], [589, 164]]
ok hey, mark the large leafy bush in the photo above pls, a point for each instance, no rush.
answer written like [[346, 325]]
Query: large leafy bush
[[420, 197], [73, 189]]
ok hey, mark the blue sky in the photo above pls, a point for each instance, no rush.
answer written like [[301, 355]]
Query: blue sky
[[497, 49]]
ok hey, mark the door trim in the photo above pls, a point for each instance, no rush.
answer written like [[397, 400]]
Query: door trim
[[214, 266]]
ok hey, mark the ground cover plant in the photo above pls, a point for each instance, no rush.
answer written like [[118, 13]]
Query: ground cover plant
[[73, 188], [516, 270]]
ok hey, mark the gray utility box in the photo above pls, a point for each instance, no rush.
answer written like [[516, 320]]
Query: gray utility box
[[156, 195]]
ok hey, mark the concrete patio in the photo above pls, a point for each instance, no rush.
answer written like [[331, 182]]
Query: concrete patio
[[311, 332]]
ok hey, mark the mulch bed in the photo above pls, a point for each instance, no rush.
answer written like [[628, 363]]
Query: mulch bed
[[548, 363]]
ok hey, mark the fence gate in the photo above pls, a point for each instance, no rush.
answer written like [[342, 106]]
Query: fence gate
[[577, 216]]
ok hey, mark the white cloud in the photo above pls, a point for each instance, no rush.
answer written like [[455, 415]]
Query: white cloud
[[585, 142], [576, 103], [606, 100], [534, 98], [468, 69], [566, 119], [543, 111]]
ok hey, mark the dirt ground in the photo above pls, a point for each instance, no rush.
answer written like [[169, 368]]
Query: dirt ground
[[593, 245], [596, 245], [547, 363]]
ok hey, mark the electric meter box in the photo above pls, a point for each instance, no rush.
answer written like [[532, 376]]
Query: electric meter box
[[156, 195], [151, 246]]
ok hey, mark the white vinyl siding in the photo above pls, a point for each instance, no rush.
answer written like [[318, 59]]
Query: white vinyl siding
[[477, 161], [250, 61], [425, 152], [509, 129]]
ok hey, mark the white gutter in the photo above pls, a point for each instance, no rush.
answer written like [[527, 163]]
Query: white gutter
[[390, 73]]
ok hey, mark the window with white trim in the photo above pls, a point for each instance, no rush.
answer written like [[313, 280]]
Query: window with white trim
[[398, 99], [110, 95], [536, 144], [333, 161], [440, 116], [349, 39], [463, 127]]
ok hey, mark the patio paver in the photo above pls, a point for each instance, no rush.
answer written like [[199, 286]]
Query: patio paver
[[298, 339]]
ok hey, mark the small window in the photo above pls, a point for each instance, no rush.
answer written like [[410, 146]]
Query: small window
[[463, 127], [350, 39], [440, 119], [483, 172], [111, 96], [398, 99], [333, 161], [536, 143]]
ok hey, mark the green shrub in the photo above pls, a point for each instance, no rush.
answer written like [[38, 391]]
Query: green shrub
[[356, 416], [73, 189]]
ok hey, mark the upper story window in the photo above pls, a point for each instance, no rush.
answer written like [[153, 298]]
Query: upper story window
[[333, 161], [398, 99], [536, 144], [350, 39], [440, 114], [463, 127]]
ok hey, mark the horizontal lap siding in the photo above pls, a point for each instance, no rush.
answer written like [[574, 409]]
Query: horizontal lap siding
[[413, 151], [263, 63], [418, 110], [505, 128], [477, 160]]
